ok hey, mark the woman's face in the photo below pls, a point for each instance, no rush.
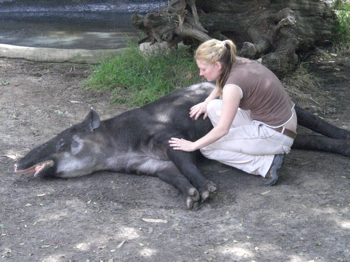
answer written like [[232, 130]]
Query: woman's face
[[209, 71]]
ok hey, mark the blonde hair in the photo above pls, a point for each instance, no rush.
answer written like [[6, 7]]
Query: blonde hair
[[213, 51]]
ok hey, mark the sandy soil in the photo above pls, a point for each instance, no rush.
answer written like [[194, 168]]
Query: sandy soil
[[118, 217]]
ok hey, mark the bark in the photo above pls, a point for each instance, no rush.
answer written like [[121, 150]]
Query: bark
[[275, 31]]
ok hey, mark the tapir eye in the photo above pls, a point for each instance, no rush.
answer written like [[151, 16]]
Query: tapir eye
[[76, 145]]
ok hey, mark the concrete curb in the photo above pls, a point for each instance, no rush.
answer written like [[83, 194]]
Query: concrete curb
[[58, 55]]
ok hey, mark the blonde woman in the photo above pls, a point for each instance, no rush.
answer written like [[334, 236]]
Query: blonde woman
[[253, 117]]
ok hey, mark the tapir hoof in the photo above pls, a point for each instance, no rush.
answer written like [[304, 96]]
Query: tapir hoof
[[211, 187], [193, 193], [191, 204]]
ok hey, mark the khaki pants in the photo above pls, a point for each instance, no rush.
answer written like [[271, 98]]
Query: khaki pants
[[249, 146]]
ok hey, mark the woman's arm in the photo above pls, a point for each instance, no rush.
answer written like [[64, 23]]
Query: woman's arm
[[231, 99]]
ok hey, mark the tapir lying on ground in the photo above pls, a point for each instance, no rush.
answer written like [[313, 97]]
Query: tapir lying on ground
[[137, 142]]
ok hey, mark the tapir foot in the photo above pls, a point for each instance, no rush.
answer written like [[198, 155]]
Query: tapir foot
[[192, 200], [210, 187]]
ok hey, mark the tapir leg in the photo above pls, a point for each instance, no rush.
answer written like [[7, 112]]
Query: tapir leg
[[186, 163], [171, 175], [322, 143], [316, 124], [335, 139]]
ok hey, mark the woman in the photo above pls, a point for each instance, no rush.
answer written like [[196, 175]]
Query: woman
[[254, 121]]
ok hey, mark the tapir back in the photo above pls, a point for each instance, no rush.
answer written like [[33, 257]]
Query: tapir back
[[173, 110]]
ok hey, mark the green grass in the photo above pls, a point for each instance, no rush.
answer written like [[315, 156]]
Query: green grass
[[137, 79]]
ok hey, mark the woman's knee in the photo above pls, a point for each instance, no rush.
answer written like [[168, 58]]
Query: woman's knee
[[214, 107]]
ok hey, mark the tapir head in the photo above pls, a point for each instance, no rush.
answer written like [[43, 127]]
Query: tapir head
[[71, 153]]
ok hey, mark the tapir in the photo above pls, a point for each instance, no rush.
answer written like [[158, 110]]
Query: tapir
[[136, 141]]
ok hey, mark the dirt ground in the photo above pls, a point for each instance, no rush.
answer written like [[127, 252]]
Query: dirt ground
[[118, 217]]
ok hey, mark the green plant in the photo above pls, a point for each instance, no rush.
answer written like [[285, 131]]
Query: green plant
[[137, 79], [342, 11]]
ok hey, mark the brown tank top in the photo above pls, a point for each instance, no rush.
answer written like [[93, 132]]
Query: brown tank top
[[263, 92]]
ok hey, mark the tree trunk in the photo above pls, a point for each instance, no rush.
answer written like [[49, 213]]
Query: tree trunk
[[275, 31]]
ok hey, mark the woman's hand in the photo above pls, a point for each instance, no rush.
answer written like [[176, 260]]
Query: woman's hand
[[199, 109], [181, 144]]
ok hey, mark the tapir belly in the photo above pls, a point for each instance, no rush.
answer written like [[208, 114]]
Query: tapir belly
[[138, 163]]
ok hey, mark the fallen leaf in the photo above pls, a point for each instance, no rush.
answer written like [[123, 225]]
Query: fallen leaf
[[9, 156], [265, 193], [151, 220], [121, 244]]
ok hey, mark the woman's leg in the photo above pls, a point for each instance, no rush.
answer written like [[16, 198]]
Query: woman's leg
[[249, 146]]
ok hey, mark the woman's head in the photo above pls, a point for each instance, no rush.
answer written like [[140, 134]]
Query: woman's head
[[215, 53], [214, 50]]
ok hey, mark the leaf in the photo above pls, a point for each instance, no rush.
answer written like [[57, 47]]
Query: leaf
[[58, 112], [121, 244], [265, 193], [45, 246], [151, 220], [9, 156], [2, 226]]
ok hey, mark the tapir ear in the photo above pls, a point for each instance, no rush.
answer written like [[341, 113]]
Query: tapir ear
[[93, 119]]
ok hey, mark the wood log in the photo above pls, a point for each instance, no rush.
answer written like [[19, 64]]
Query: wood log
[[275, 31]]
